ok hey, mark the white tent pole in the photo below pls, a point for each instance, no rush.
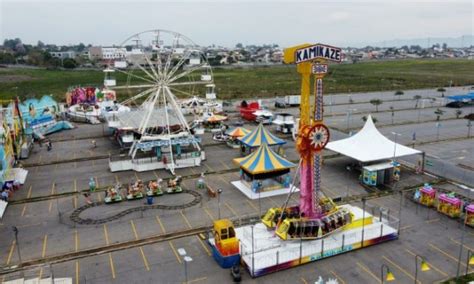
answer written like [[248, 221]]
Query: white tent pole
[[169, 133]]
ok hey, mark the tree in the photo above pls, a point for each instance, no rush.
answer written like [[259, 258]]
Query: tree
[[458, 113], [7, 58], [393, 112], [470, 118], [399, 93], [442, 90], [239, 45], [40, 44], [439, 113], [376, 103], [69, 63], [417, 99], [374, 119]]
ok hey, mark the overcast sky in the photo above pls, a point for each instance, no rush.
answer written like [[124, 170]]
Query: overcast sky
[[229, 22]]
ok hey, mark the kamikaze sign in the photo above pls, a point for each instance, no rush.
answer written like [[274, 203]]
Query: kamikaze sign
[[318, 51]]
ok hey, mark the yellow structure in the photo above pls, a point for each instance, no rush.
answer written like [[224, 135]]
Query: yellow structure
[[225, 238]]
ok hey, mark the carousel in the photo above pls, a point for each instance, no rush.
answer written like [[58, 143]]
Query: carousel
[[258, 137], [233, 135], [264, 173]]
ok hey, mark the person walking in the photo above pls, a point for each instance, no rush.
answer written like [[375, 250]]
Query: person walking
[[94, 144], [49, 145]]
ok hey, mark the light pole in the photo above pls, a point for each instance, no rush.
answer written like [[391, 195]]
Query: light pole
[[349, 117], [470, 260], [219, 191], [389, 276], [469, 128], [438, 125], [424, 265], [15, 231], [395, 183]]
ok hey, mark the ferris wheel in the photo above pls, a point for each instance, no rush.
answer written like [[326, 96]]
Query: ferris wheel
[[156, 66]]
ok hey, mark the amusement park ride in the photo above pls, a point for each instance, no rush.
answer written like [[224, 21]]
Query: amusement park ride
[[317, 227], [160, 65]]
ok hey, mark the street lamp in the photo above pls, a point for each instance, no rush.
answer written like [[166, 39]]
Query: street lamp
[[219, 191], [424, 265], [15, 231], [470, 259], [461, 245], [389, 277], [186, 258], [349, 117]]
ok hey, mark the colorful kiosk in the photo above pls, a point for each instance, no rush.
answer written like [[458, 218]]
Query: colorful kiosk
[[264, 173], [426, 195], [258, 137], [225, 244], [234, 134], [449, 205], [470, 215]]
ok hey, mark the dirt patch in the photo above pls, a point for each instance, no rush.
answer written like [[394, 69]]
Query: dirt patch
[[14, 78]]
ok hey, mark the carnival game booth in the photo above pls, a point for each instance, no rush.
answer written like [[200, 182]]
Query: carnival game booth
[[374, 153], [264, 173], [257, 138], [234, 134]]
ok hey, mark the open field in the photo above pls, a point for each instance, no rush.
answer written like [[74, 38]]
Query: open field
[[264, 81]]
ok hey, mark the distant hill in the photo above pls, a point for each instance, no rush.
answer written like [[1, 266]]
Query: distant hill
[[466, 40]]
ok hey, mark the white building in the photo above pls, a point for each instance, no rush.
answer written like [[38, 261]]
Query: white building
[[113, 53], [63, 54]]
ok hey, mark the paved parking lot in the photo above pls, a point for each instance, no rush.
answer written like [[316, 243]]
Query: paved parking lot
[[45, 229]]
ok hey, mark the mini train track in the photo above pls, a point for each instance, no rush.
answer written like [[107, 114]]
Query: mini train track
[[440, 190], [74, 217]]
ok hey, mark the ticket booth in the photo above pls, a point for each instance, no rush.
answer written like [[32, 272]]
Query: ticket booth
[[383, 173]]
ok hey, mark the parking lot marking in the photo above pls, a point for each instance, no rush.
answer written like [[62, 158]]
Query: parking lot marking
[[117, 179], [197, 280], [338, 277], [29, 192], [208, 214], [145, 260], [112, 267], [367, 270], [225, 165], [40, 273], [303, 280], [400, 268], [445, 253], [273, 202], [156, 175], [96, 182], [465, 246], [430, 264], [45, 244], [231, 209], [76, 240], [161, 224], [222, 179], [10, 254], [75, 163], [204, 246], [432, 221], [406, 227], [77, 272], [328, 190], [185, 219], [252, 205], [208, 167], [23, 211], [175, 252], [136, 176], [53, 189]]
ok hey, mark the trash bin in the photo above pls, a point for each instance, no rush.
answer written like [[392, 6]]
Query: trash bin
[[149, 200]]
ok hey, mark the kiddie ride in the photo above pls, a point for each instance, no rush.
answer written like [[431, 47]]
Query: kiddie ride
[[317, 227], [137, 190], [450, 204]]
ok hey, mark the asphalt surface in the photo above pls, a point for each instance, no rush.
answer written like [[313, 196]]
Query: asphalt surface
[[45, 229]]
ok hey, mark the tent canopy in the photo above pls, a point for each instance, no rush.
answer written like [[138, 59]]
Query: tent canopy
[[260, 136], [263, 160], [237, 132], [369, 145]]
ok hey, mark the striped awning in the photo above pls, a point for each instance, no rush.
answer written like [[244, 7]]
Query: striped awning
[[216, 118], [260, 136], [263, 160], [237, 132]]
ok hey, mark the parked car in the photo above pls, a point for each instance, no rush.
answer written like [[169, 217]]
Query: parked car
[[456, 104], [235, 273], [280, 104]]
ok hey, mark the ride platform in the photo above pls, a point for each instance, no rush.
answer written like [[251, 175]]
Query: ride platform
[[255, 195], [263, 252]]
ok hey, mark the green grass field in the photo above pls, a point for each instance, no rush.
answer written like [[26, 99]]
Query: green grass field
[[264, 81]]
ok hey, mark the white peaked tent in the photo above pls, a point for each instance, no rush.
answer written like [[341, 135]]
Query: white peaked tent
[[370, 145]]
